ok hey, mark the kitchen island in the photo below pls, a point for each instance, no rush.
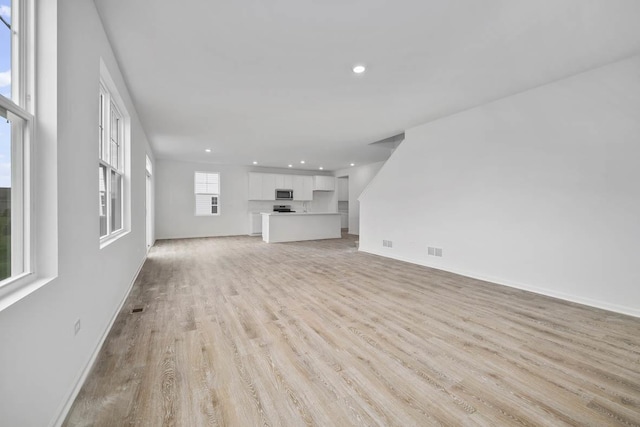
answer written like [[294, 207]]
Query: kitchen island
[[297, 226]]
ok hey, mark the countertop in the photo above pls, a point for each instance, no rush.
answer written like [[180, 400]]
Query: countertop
[[299, 213]]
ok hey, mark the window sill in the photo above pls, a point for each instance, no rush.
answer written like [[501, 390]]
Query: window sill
[[20, 287], [106, 241]]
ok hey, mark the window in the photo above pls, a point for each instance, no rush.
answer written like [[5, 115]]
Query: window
[[112, 144], [16, 122], [207, 190]]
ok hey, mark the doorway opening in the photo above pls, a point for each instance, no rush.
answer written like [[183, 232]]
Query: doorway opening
[[343, 202]]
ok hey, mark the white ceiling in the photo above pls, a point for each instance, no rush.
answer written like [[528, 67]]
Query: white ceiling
[[271, 80]]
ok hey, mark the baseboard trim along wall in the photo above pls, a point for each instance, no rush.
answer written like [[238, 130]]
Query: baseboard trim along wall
[[630, 311], [62, 413]]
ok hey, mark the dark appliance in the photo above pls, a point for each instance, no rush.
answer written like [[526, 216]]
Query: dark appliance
[[284, 194], [282, 208]]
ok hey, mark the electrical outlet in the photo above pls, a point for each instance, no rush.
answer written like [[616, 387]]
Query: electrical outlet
[[77, 327], [387, 243]]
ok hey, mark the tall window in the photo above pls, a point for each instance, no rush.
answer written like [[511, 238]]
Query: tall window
[[111, 167], [16, 121], [207, 191]]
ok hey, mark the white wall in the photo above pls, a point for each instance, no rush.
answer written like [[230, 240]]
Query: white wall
[[540, 191], [324, 201], [359, 179], [175, 216], [175, 203], [41, 361]]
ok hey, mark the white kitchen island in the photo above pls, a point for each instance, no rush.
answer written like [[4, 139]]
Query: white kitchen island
[[297, 226]]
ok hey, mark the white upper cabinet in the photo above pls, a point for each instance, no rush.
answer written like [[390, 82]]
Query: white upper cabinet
[[287, 182], [284, 182], [324, 183], [279, 182], [302, 187], [262, 186], [268, 186]]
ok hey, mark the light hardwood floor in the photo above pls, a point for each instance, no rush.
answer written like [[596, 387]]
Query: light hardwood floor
[[238, 332]]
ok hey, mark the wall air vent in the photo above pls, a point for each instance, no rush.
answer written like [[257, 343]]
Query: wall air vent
[[434, 251]]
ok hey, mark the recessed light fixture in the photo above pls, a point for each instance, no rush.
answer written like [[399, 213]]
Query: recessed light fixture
[[352, 164], [359, 69], [320, 168], [255, 163], [290, 166], [302, 162], [208, 150]]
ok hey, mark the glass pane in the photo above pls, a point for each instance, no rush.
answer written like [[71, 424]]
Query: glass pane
[[116, 201], [102, 202], [5, 48], [116, 125], [5, 198]]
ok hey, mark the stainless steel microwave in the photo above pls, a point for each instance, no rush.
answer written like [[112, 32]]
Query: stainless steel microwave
[[284, 194]]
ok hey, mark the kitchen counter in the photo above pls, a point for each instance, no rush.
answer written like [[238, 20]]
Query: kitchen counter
[[298, 226], [300, 213]]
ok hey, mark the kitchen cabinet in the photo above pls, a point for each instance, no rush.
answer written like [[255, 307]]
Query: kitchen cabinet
[[268, 186], [262, 186], [255, 224], [324, 183], [295, 227], [302, 187], [284, 182]]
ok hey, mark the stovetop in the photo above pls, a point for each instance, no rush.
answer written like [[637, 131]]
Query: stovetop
[[282, 208]]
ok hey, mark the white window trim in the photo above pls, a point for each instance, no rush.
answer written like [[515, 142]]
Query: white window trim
[[196, 194], [21, 213], [22, 106], [124, 168]]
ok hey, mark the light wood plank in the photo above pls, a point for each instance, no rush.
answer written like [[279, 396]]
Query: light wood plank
[[237, 332]]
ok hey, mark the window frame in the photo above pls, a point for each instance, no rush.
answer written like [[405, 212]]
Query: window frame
[[20, 105], [110, 105], [206, 194]]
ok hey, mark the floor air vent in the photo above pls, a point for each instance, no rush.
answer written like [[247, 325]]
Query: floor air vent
[[137, 309]]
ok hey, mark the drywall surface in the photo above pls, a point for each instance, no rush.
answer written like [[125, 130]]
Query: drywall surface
[[175, 201], [359, 179], [539, 191], [41, 360]]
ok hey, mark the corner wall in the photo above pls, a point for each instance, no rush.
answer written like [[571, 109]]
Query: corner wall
[[42, 362], [539, 191], [359, 179]]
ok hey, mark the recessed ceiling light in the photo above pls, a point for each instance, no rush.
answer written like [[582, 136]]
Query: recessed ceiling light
[[320, 168], [290, 166], [359, 69], [208, 150], [302, 162], [255, 163], [352, 164]]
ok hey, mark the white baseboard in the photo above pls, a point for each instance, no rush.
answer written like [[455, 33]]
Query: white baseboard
[[630, 311], [64, 411]]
